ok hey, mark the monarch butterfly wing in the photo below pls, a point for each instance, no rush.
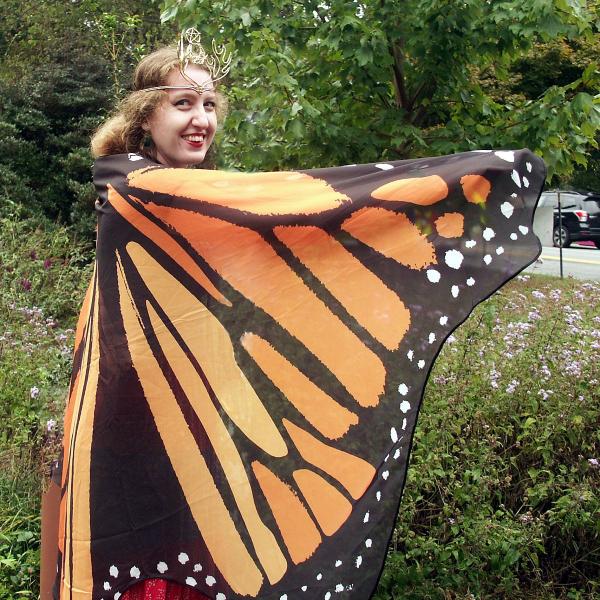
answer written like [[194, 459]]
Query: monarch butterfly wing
[[280, 328]]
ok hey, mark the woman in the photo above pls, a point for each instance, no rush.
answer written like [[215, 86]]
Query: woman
[[252, 351], [175, 126]]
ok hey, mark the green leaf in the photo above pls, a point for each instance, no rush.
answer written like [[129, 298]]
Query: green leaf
[[246, 18], [296, 108]]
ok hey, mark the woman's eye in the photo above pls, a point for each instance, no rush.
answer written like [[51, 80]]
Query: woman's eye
[[210, 104], [182, 102]]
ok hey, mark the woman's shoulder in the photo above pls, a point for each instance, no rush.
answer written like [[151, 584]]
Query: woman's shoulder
[[121, 163], [110, 168]]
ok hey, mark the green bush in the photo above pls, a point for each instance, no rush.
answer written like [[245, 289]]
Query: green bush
[[502, 495], [45, 124]]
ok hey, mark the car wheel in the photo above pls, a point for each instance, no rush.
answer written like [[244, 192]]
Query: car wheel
[[561, 234]]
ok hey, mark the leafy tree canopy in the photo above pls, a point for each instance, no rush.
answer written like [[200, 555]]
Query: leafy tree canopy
[[63, 65], [318, 83]]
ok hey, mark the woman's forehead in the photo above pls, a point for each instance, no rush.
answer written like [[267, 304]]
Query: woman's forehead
[[198, 74]]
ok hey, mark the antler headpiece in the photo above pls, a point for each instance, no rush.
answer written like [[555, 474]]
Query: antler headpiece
[[191, 51]]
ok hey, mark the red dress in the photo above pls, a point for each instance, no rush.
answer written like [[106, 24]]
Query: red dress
[[161, 589]]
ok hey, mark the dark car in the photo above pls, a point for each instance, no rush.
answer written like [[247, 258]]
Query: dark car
[[580, 216]]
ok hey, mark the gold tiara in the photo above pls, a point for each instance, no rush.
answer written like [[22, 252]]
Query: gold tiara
[[191, 51]]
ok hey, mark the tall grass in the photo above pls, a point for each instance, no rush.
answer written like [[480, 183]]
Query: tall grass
[[43, 270], [502, 497]]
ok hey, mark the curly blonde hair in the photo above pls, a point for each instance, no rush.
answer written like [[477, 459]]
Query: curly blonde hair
[[124, 131]]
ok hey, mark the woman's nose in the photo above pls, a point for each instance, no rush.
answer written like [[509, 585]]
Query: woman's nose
[[199, 118]]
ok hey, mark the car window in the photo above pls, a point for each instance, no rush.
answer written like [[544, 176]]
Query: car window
[[592, 205], [548, 200], [570, 201]]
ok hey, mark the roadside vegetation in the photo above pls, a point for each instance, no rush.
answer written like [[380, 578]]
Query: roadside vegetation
[[502, 498]]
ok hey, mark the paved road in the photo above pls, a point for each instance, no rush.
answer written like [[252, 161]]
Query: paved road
[[581, 262]]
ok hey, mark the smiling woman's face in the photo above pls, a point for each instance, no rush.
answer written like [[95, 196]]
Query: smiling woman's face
[[184, 124]]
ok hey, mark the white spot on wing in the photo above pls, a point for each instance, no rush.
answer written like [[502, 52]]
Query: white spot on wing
[[114, 572], [513, 236], [394, 434], [366, 517], [161, 567], [507, 155], [454, 259], [319, 576], [183, 558], [443, 320], [384, 166], [405, 406], [106, 586], [507, 209], [197, 568], [339, 588], [525, 181], [410, 355], [421, 364], [488, 234], [431, 337], [404, 423], [487, 259], [385, 474], [470, 243], [470, 281], [529, 166], [358, 561], [191, 581], [516, 178], [338, 563], [499, 250], [378, 496], [368, 543], [523, 229], [210, 580], [433, 275], [403, 389], [455, 291], [134, 572]]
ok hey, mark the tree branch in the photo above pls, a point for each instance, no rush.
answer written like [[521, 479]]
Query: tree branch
[[398, 69]]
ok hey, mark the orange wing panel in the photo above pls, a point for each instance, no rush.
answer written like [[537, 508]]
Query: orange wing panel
[[354, 473], [361, 292], [280, 292], [393, 235], [275, 193], [298, 530]]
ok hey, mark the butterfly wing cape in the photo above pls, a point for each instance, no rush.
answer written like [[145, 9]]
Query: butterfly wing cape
[[250, 360]]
